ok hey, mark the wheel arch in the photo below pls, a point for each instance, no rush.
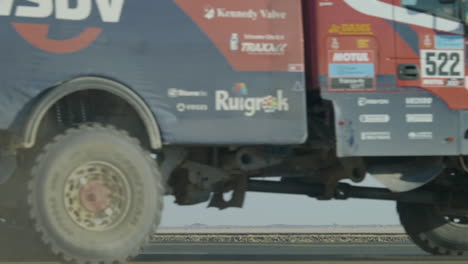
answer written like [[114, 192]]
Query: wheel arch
[[39, 110]]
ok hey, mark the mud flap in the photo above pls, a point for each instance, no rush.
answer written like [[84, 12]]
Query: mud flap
[[403, 177]]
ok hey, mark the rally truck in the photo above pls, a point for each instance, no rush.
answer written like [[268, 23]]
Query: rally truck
[[108, 105]]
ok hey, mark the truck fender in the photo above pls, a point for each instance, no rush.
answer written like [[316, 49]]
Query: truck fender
[[40, 108], [407, 176]]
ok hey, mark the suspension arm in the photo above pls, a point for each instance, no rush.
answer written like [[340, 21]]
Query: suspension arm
[[345, 191]]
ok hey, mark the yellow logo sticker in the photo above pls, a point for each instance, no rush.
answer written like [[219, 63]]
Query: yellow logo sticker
[[363, 43], [351, 29]]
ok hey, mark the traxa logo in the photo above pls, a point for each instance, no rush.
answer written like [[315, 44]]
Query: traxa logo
[[73, 10]]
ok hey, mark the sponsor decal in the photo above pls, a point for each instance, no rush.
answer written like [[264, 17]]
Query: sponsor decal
[[36, 34], [374, 118], [256, 48], [444, 82], [363, 43], [454, 83], [351, 70], [376, 136], [351, 29], [251, 105], [174, 93], [418, 102], [296, 67], [450, 42], [420, 135], [264, 37], [253, 36], [252, 14], [351, 83], [181, 107], [419, 118], [298, 87], [442, 61], [325, 3], [363, 101], [335, 43], [442, 64], [234, 42], [342, 57], [437, 82], [428, 41], [240, 89]]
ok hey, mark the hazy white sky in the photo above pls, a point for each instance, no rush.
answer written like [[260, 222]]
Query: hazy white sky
[[268, 209]]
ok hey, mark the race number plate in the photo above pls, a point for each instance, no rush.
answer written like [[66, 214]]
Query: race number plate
[[442, 61]]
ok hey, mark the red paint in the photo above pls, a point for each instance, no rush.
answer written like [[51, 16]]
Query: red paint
[[37, 35], [342, 123], [390, 49], [221, 31]]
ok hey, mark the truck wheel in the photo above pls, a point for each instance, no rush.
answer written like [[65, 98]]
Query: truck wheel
[[433, 231], [95, 195]]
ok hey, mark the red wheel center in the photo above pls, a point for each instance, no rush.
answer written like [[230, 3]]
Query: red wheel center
[[95, 196]]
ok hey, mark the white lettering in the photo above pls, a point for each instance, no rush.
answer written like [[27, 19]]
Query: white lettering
[[351, 57], [273, 14], [269, 48], [251, 14], [420, 135], [419, 118], [80, 12], [376, 136], [362, 101], [374, 118], [264, 37], [42, 9], [211, 13], [5, 7], [251, 105], [418, 101], [174, 92], [111, 10], [433, 82], [191, 107]]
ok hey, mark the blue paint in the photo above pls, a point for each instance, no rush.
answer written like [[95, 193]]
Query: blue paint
[[449, 42], [351, 70], [407, 33], [154, 47]]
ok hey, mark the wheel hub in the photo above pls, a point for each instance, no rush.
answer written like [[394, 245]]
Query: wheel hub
[[97, 196]]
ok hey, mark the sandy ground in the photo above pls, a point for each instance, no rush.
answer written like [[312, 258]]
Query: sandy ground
[[283, 234], [281, 238], [282, 230]]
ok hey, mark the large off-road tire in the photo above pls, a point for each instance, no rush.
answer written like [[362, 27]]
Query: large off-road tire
[[95, 195], [432, 231]]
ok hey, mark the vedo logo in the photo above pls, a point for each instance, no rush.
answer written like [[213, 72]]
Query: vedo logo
[[78, 10]]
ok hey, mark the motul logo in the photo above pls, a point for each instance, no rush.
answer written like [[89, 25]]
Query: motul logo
[[351, 57], [110, 11]]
